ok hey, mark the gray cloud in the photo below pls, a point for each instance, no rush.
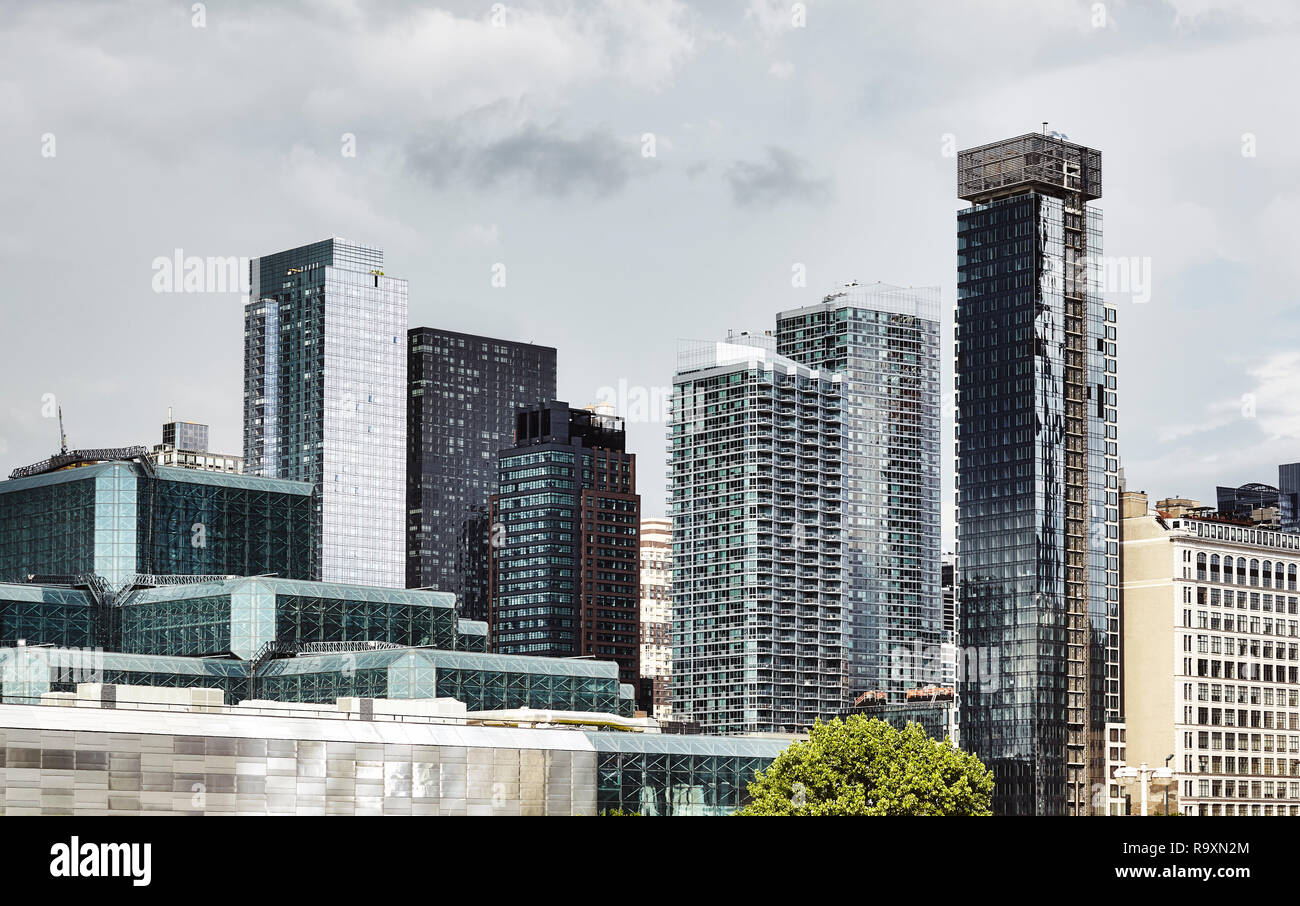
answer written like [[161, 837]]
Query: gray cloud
[[541, 158], [781, 177], [225, 140]]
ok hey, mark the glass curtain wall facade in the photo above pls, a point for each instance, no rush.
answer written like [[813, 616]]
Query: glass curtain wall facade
[[661, 774], [283, 640], [239, 616], [40, 615], [483, 682], [325, 399], [1242, 502], [884, 341], [565, 560], [464, 393], [756, 484], [115, 520], [1288, 484], [1037, 474], [191, 436]]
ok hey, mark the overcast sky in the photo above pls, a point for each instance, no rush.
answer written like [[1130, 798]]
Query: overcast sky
[[779, 138]]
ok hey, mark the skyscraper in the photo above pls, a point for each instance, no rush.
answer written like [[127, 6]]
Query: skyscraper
[[884, 341], [1037, 482], [325, 398], [1288, 488], [565, 548], [949, 585], [756, 495], [464, 393]]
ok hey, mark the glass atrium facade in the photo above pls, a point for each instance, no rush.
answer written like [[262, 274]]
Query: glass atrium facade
[[484, 682], [325, 399], [63, 617], [283, 640], [116, 521], [677, 775], [239, 616]]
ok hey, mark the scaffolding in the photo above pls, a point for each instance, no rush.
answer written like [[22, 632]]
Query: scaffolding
[[1037, 161], [87, 457]]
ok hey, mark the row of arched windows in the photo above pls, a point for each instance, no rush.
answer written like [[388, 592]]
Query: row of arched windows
[[1241, 571]]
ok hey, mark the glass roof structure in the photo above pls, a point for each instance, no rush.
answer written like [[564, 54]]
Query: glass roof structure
[[675, 744], [119, 519]]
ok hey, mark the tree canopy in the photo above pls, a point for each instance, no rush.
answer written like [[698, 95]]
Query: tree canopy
[[864, 766]]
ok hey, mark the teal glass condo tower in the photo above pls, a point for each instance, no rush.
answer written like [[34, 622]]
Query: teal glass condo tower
[[884, 342], [758, 539]]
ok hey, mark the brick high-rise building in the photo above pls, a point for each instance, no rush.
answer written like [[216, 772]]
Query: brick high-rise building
[[565, 540]]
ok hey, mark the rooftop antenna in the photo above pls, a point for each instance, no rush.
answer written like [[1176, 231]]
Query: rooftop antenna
[[63, 438], [1044, 127]]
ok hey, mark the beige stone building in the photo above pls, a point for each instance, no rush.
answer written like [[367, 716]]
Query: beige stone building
[[657, 612], [1210, 656]]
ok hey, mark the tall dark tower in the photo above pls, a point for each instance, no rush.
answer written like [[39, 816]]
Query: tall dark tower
[[464, 391], [565, 552], [1037, 476]]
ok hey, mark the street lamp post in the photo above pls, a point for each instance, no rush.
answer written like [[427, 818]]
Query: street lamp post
[[1145, 777], [1168, 758]]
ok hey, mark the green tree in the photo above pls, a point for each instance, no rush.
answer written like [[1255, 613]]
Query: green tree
[[863, 766]]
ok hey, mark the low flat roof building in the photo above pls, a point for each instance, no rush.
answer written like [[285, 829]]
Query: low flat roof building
[[281, 639], [351, 758]]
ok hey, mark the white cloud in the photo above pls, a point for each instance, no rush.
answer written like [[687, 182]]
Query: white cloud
[[1269, 407], [480, 235], [773, 17], [1276, 395], [650, 39], [227, 138]]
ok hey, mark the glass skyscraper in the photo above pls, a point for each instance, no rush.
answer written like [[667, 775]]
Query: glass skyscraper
[[565, 546], [756, 484], [1288, 486], [325, 399], [464, 393], [1037, 475], [884, 342]]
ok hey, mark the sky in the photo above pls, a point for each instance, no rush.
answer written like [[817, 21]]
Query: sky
[[609, 177]]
